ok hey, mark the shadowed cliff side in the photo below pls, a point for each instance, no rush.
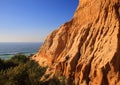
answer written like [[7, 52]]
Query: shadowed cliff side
[[86, 49]]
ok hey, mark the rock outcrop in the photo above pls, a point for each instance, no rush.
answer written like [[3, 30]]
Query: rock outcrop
[[86, 49]]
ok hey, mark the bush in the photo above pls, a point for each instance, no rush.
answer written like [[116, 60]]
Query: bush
[[19, 70], [6, 64], [19, 58]]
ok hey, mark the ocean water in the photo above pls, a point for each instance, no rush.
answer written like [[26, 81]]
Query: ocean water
[[8, 50]]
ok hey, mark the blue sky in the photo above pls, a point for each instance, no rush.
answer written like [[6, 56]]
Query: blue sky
[[33, 20]]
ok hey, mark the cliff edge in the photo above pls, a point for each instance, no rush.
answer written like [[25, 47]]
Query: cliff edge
[[87, 48]]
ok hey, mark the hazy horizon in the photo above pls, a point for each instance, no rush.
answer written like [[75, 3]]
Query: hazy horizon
[[33, 20]]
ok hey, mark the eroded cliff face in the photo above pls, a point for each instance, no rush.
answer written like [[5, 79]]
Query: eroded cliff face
[[86, 49]]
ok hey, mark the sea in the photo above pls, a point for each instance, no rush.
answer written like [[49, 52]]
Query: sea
[[8, 50]]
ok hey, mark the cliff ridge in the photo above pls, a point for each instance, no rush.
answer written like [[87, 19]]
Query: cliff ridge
[[87, 48]]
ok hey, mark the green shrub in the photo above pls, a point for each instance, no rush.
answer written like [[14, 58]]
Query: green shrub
[[6, 64], [19, 58], [19, 70]]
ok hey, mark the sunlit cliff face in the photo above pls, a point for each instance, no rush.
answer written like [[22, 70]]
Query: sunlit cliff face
[[86, 49]]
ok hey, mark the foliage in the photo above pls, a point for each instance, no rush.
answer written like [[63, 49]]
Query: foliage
[[20, 70], [19, 58], [7, 64]]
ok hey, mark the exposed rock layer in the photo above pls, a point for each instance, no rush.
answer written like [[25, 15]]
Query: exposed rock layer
[[86, 49]]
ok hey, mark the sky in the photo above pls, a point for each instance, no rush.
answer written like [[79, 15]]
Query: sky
[[33, 20]]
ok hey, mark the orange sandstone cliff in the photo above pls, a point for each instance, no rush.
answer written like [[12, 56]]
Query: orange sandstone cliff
[[86, 49]]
